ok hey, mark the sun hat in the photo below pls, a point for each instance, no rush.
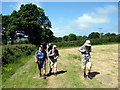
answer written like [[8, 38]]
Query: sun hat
[[87, 43]]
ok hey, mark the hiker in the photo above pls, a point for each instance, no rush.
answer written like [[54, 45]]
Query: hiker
[[53, 55], [41, 59], [85, 51], [49, 47]]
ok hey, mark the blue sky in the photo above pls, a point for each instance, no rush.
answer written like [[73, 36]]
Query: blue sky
[[80, 18]]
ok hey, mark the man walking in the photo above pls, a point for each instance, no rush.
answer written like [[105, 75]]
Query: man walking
[[85, 51], [53, 55], [40, 59]]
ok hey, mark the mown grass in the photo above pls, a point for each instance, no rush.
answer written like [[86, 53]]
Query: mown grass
[[69, 61], [73, 78], [23, 78]]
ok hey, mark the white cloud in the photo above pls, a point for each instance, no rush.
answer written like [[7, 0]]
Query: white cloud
[[86, 19], [89, 22], [108, 9], [99, 16], [62, 31]]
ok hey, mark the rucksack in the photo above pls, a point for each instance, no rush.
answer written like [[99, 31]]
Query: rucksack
[[55, 54]]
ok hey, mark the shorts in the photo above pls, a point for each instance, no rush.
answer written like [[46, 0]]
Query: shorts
[[53, 64], [86, 56], [86, 61], [41, 64]]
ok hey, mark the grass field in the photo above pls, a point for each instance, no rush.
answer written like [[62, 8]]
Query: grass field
[[104, 69]]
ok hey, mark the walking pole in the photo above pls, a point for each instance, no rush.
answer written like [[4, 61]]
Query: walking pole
[[35, 66]]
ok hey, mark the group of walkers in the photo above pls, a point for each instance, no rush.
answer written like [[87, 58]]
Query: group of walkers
[[41, 58]]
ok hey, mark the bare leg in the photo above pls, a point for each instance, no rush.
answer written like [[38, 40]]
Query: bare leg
[[40, 72], [85, 69], [55, 68], [45, 70]]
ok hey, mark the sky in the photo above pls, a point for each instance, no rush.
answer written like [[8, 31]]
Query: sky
[[80, 18]]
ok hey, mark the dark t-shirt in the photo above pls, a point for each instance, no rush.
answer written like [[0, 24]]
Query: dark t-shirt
[[55, 52]]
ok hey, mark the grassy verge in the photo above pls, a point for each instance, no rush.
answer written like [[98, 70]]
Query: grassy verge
[[11, 68], [27, 76]]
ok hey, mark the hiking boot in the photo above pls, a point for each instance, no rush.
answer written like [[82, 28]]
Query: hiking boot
[[44, 76], [89, 76], [49, 73], [40, 75], [85, 76]]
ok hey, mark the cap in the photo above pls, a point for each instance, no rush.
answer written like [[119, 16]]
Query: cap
[[41, 46], [54, 46]]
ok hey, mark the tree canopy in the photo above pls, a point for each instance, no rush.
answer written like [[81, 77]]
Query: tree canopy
[[29, 20], [94, 35]]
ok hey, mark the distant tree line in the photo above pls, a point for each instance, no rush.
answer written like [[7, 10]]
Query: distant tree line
[[95, 37], [28, 22]]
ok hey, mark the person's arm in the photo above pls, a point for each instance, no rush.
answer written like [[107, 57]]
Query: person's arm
[[36, 58], [82, 49], [49, 53]]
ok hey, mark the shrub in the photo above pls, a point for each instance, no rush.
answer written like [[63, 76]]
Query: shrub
[[11, 53]]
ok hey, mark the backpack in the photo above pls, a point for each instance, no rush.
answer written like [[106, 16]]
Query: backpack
[[55, 54]]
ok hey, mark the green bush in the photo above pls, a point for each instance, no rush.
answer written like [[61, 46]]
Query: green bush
[[11, 53]]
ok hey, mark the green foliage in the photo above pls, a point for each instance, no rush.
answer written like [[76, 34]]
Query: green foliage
[[65, 38], [93, 41], [94, 35], [72, 37], [31, 21], [11, 53]]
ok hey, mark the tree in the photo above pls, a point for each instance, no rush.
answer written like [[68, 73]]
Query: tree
[[65, 38], [57, 39], [35, 24], [31, 21], [94, 35], [79, 37], [72, 37], [110, 34]]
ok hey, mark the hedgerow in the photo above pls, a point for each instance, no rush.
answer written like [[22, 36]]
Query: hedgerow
[[12, 53]]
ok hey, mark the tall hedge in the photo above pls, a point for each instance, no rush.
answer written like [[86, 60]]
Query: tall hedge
[[11, 53]]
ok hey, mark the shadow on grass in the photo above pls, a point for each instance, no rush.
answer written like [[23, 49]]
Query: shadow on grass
[[58, 72], [93, 74]]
